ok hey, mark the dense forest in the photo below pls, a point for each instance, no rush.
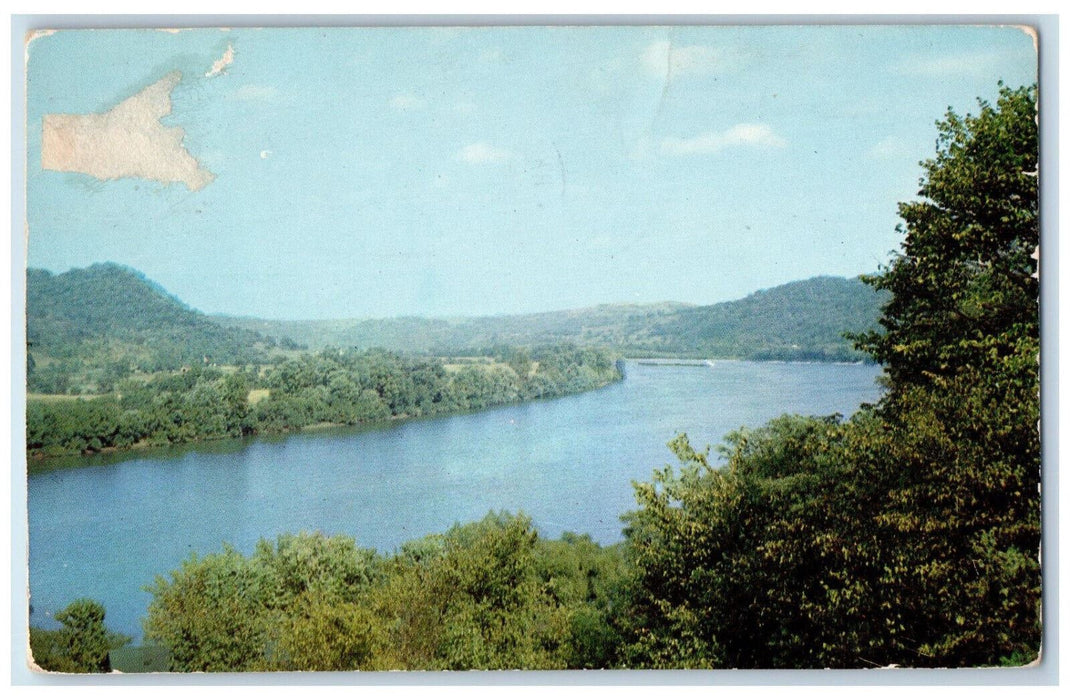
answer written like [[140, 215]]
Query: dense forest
[[802, 320], [334, 387], [907, 534]]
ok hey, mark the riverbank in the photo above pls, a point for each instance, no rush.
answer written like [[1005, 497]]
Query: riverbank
[[101, 426]]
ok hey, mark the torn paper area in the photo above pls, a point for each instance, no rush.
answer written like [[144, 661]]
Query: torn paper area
[[127, 141], [219, 66]]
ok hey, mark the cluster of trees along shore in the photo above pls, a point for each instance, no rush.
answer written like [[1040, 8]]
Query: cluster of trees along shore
[[333, 386], [906, 534]]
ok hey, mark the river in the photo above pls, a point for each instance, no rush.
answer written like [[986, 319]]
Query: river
[[102, 527]]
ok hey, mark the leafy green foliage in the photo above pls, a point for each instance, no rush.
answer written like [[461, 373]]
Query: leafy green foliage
[[963, 289], [489, 594], [197, 404], [477, 603], [961, 346], [756, 564], [81, 645], [227, 612], [960, 471]]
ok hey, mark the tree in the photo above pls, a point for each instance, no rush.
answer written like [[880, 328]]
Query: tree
[[81, 645], [325, 632], [488, 594], [961, 344], [766, 562], [909, 534], [210, 614], [292, 605], [473, 600], [964, 292]]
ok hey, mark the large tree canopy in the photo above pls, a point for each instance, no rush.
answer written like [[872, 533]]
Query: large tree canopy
[[964, 293], [81, 645]]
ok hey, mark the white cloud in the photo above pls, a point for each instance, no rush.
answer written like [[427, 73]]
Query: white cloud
[[663, 59], [483, 152], [750, 135], [264, 155], [977, 64], [888, 147], [220, 65], [464, 107], [404, 102]]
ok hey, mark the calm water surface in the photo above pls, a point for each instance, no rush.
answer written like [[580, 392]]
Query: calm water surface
[[105, 529]]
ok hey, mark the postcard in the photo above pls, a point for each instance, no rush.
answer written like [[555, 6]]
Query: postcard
[[532, 348]]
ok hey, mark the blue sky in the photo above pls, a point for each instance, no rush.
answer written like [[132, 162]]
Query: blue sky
[[386, 172]]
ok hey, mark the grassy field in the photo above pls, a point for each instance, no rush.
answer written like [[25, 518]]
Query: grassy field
[[258, 395], [61, 397]]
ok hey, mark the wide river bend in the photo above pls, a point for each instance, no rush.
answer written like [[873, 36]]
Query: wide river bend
[[102, 527]]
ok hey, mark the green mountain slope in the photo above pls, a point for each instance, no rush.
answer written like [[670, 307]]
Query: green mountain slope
[[88, 328], [802, 320], [606, 325]]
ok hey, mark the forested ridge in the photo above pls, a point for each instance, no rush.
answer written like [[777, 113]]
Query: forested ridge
[[114, 361], [802, 320], [88, 329], [907, 534]]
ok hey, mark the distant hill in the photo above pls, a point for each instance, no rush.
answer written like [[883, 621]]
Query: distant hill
[[802, 320], [605, 325], [87, 328]]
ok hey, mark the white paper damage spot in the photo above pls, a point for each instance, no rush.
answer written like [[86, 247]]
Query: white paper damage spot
[[225, 60], [126, 141], [38, 34], [32, 36]]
